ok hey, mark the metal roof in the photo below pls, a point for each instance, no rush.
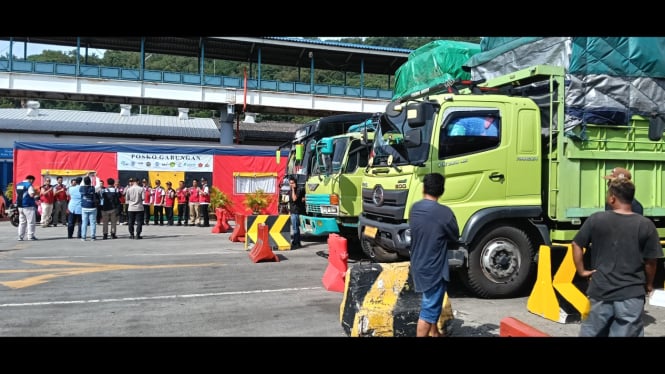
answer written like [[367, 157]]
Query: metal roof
[[283, 51], [76, 122]]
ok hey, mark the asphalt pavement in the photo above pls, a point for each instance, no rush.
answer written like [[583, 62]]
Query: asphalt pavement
[[190, 282]]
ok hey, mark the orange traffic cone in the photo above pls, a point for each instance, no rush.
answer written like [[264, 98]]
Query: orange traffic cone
[[261, 250], [338, 255], [222, 225], [238, 234]]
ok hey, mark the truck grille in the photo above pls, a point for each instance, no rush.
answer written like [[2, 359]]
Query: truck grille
[[393, 208]]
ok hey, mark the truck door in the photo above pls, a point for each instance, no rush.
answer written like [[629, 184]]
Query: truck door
[[472, 155], [351, 179]]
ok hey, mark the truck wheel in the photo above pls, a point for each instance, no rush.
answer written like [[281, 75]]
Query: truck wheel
[[378, 254], [500, 264]]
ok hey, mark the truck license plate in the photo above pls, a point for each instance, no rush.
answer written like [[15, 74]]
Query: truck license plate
[[370, 231]]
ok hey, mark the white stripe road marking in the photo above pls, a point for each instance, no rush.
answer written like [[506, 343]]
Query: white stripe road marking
[[125, 299]]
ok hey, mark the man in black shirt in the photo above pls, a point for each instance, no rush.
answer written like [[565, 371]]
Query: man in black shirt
[[622, 266], [619, 172], [296, 208], [433, 228]]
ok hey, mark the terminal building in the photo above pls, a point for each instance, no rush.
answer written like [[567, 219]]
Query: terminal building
[[33, 125]]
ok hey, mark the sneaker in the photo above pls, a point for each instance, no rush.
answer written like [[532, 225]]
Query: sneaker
[[131, 236], [82, 239], [113, 236], [106, 236], [139, 237], [20, 239], [32, 238], [93, 239]]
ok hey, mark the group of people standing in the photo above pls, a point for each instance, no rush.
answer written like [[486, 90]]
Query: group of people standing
[[81, 205], [192, 203]]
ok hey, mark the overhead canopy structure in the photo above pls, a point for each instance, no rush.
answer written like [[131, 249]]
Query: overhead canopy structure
[[283, 51]]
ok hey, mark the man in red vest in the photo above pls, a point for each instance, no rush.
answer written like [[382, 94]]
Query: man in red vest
[[47, 199]]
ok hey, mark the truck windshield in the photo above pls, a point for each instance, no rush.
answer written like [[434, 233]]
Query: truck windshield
[[390, 140], [331, 163]]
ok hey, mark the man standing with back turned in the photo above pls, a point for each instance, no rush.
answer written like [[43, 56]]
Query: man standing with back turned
[[433, 228], [135, 210], [623, 252]]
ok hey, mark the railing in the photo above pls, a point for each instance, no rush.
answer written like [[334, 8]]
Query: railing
[[102, 72]]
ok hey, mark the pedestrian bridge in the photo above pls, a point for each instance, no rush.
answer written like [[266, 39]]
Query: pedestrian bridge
[[80, 82]]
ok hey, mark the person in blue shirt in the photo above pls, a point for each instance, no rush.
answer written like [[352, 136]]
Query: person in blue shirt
[[475, 126], [74, 208], [88, 209], [27, 208], [433, 228]]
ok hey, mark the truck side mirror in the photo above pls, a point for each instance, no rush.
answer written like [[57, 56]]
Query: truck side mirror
[[326, 146]]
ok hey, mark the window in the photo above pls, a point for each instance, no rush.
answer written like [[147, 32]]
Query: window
[[250, 182], [358, 156], [469, 132]]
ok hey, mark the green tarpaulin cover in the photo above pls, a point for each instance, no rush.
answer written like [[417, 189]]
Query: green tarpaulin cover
[[434, 63]]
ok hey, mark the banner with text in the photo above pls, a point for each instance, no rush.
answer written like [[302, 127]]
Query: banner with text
[[164, 162]]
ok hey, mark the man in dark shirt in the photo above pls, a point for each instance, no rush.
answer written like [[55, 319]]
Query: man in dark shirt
[[433, 227], [296, 208], [625, 246], [619, 172]]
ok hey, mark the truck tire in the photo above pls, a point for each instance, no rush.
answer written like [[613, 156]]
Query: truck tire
[[378, 254], [501, 264]]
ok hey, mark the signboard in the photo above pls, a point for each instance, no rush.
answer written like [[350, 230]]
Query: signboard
[[7, 153], [164, 162]]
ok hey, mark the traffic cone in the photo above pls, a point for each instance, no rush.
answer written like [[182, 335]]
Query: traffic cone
[[238, 234], [261, 250], [222, 224], [338, 255]]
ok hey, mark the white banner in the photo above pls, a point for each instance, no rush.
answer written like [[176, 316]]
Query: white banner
[[164, 162]]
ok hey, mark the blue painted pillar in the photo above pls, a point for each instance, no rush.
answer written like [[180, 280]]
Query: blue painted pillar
[[362, 77], [258, 72], [11, 53], [311, 72], [142, 58], [78, 56], [202, 63]]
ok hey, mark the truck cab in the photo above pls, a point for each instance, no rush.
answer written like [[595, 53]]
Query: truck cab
[[332, 192], [300, 148]]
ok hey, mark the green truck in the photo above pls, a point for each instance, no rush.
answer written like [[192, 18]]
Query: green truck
[[332, 191], [301, 156], [516, 178]]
